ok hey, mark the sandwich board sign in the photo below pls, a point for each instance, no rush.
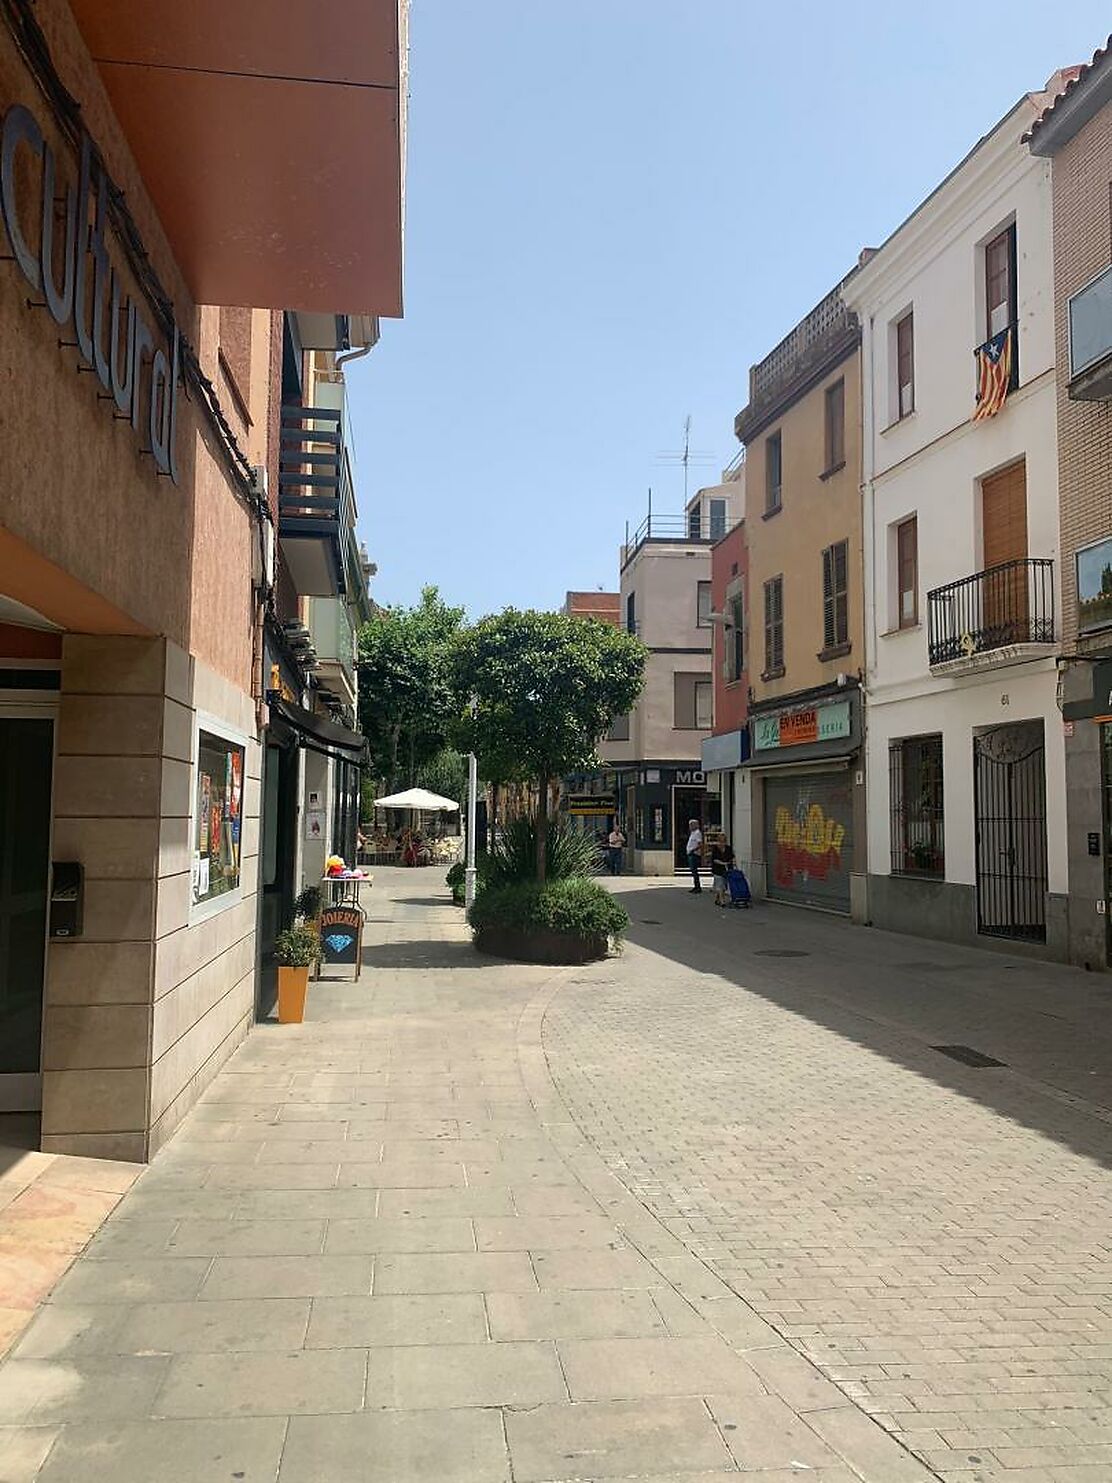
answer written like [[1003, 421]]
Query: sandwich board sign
[[341, 935]]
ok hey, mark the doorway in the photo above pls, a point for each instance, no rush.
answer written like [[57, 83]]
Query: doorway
[[687, 804], [278, 845], [26, 772], [1004, 541], [1009, 786]]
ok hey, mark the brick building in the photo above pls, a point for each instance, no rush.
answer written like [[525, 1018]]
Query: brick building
[[1075, 133]]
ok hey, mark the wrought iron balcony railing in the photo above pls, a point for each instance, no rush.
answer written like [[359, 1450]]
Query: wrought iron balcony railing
[[316, 500], [993, 610]]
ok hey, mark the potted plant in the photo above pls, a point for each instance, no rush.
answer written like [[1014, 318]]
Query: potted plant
[[308, 904], [573, 920], [296, 950]]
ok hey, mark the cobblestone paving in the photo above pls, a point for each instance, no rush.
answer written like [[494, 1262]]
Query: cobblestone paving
[[936, 1237]]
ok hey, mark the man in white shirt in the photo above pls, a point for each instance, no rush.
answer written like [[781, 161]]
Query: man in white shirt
[[694, 852]]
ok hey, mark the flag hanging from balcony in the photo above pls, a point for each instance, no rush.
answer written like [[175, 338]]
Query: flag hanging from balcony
[[994, 374]]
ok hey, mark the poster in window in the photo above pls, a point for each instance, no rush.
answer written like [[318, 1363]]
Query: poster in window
[[206, 793], [219, 797]]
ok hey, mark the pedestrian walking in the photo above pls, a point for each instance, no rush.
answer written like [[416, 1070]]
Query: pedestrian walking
[[615, 844], [721, 863], [694, 853]]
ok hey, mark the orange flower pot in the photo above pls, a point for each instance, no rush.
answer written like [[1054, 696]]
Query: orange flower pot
[[293, 986]]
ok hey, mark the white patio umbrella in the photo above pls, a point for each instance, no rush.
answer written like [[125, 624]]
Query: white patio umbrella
[[416, 798]]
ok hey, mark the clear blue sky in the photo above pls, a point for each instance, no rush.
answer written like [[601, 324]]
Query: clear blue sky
[[613, 208]]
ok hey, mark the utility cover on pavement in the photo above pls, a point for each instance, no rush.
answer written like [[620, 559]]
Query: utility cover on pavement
[[967, 1055], [780, 952]]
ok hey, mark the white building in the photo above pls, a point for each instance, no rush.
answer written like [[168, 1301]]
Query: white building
[[966, 800]]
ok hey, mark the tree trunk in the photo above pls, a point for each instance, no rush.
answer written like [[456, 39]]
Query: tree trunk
[[412, 777], [395, 742], [542, 830]]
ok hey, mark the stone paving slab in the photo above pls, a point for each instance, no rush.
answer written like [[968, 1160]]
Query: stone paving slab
[[380, 1250], [931, 1240]]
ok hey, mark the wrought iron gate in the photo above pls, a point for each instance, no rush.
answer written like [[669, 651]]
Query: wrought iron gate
[[1009, 782]]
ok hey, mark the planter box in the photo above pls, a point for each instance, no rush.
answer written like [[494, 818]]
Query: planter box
[[541, 947], [293, 986]]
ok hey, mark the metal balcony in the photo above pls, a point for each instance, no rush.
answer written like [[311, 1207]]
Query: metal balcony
[[316, 502], [1000, 616], [1090, 334]]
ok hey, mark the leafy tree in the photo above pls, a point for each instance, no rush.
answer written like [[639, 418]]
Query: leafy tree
[[405, 695], [544, 688]]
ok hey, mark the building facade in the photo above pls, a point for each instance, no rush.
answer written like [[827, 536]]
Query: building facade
[[1075, 134], [652, 777], [802, 785], [606, 606], [138, 516], [966, 805], [727, 748]]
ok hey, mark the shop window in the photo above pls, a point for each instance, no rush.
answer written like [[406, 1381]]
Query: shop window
[[218, 816], [916, 806]]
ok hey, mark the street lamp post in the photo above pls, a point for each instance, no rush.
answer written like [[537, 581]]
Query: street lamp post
[[472, 790]]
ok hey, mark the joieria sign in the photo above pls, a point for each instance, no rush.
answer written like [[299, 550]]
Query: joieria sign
[[112, 339]]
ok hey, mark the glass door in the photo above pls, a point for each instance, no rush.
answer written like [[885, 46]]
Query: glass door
[[26, 768]]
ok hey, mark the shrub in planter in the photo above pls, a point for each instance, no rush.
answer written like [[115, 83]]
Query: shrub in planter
[[308, 904], [296, 950], [563, 921], [513, 857]]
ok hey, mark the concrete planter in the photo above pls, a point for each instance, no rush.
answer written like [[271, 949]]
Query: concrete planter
[[541, 947]]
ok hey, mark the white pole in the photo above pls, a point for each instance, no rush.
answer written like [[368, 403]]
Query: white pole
[[472, 789]]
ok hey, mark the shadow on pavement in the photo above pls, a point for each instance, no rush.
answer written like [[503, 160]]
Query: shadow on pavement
[[421, 953], [900, 996]]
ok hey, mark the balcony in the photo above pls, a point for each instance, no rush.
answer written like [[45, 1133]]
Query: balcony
[[1000, 616], [828, 332], [330, 623], [316, 501], [679, 530], [1090, 334]]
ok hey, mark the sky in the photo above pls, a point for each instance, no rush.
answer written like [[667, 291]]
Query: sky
[[613, 208]]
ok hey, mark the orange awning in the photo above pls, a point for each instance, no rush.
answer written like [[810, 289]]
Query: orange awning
[[271, 136]]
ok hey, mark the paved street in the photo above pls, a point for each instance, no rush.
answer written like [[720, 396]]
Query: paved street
[[936, 1237], [756, 1227]]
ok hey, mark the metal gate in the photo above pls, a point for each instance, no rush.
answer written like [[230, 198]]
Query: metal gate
[[809, 839], [1009, 782]]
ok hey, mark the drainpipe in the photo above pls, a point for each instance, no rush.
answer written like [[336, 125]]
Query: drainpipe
[[342, 360]]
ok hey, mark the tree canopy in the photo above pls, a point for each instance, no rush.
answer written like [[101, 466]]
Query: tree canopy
[[406, 703], [546, 688]]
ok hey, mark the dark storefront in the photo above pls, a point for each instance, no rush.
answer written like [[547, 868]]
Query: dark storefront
[[808, 797], [654, 803]]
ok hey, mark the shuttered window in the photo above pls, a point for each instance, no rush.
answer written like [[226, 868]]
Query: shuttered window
[[835, 595], [774, 625]]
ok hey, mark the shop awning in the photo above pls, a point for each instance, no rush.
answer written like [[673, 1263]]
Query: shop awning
[[328, 736], [271, 139]]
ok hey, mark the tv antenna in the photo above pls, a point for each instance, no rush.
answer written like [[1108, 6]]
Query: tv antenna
[[687, 458]]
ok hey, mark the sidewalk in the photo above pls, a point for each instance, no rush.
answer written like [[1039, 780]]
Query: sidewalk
[[380, 1251]]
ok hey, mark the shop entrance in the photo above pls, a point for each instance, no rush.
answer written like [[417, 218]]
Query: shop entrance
[[278, 844], [687, 804], [26, 767]]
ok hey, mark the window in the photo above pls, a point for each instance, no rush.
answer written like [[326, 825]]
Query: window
[[619, 729], [1094, 587], [1000, 298], [835, 596], [217, 817], [774, 626], [835, 426], [735, 640], [702, 606], [773, 472], [916, 807], [694, 702], [704, 705], [694, 523], [717, 519], [905, 366], [907, 573], [631, 613]]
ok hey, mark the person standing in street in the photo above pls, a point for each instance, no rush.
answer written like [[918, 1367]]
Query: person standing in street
[[615, 844], [694, 853]]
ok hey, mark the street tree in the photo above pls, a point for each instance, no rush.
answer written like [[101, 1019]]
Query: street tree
[[406, 704], [538, 691]]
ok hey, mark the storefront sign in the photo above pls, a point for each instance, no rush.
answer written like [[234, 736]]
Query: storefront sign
[[591, 805], [111, 334], [797, 728], [341, 935], [693, 778]]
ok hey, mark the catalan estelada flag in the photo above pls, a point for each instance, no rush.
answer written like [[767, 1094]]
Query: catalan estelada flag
[[994, 374]]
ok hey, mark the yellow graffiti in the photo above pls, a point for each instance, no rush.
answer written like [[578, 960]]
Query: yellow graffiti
[[816, 835]]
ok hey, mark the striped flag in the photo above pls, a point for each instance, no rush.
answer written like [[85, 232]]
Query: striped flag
[[994, 374]]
